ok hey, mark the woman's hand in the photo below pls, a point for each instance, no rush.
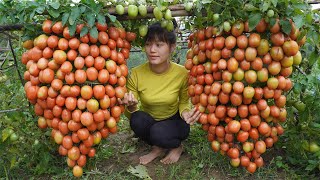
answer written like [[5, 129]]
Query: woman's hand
[[129, 100], [191, 116]]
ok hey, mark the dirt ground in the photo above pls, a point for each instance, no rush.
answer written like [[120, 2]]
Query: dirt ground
[[121, 161]]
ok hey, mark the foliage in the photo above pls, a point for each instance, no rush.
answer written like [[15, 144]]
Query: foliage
[[302, 124]]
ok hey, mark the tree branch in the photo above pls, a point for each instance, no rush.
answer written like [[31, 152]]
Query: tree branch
[[300, 70], [15, 61], [10, 110]]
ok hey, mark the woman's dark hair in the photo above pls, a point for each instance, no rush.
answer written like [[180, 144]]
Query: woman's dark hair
[[156, 32]]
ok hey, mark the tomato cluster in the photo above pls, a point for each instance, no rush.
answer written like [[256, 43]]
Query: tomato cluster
[[237, 79], [74, 83]]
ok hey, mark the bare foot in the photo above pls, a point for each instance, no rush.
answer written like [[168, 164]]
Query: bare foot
[[155, 152], [173, 155]]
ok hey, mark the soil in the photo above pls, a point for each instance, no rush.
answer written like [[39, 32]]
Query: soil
[[121, 161]]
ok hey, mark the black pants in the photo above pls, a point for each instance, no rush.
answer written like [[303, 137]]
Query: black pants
[[168, 133]]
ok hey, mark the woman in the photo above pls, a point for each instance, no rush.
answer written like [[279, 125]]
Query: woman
[[161, 87]]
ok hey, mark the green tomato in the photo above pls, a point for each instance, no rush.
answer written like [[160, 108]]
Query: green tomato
[[164, 23], [13, 137], [143, 30], [270, 13], [300, 106], [170, 26], [297, 58], [10, 131], [132, 11], [216, 17], [296, 90], [157, 13], [188, 6], [314, 147], [142, 10], [168, 15], [226, 26], [290, 103], [119, 9], [305, 145]]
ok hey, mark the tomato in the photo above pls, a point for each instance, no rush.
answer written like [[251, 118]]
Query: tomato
[[77, 171], [252, 167], [142, 10], [157, 13], [143, 29], [130, 36], [167, 15], [234, 126], [132, 11], [188, 6], [119, 9], [300, 106], [226, 26]]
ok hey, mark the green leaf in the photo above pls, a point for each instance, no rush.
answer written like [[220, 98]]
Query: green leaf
[[316, 125], [90, 19], [274, 2], [55, 5], [101, 19], [75, 13], [53, 13], [40, 9], [94, 32], [312, 165], [206, 1], [82, 9], [250, 7], [13, 161], [72, 29], [285, 26], [139, 171], [298, 21], [65, 17], [32, 14], [6, 133], [84, 31], [265, 6], [313, 57], [254, 20], [112, 17], [309, 18]]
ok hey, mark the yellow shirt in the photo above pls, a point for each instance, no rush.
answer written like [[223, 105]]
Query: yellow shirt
[[160, 95]]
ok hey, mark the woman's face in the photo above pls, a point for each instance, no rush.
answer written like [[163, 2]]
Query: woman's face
[[158, 52]]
